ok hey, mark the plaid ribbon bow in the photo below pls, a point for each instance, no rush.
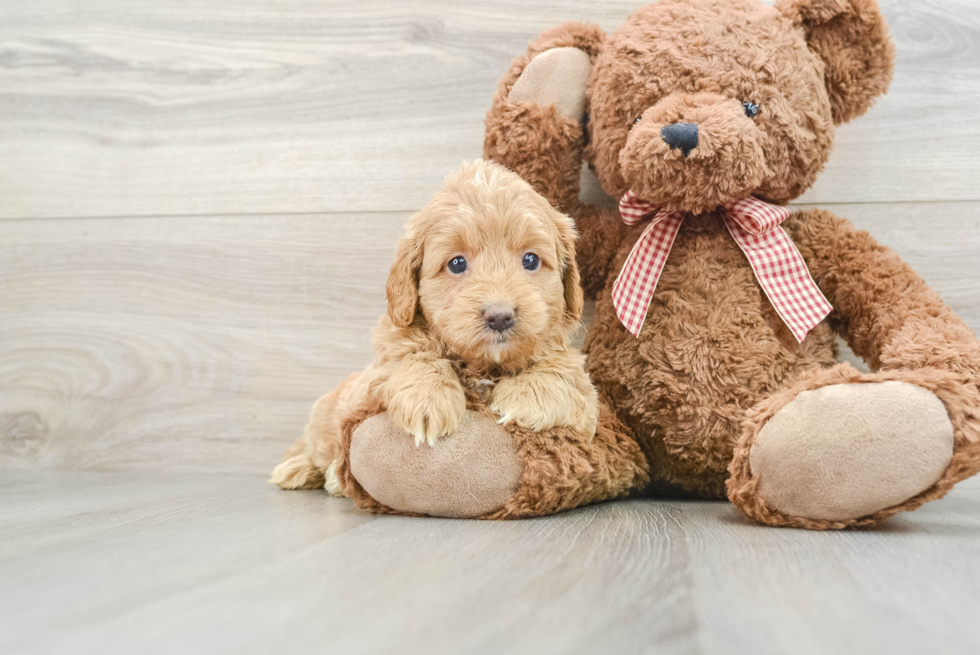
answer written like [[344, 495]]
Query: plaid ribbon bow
[[754, 224]]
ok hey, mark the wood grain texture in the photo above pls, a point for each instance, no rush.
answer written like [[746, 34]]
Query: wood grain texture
[[220, 564], [199, 344], [185, 344], [122, 108]]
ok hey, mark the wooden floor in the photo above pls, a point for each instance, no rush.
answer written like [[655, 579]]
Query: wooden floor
[[206, 563], [198, 202]]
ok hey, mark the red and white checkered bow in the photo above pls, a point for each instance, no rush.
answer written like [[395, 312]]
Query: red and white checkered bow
[[754, 224]]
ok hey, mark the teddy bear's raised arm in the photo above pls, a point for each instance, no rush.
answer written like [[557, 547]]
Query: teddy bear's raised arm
[[536, 127], [884, 310]]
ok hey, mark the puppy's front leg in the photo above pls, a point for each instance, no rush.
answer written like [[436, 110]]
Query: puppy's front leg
[[424, 397], [555, 391]]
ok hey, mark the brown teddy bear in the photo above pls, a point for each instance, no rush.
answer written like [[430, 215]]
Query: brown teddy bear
[[713, 343]]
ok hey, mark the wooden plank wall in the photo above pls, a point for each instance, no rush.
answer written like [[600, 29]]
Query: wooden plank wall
[[198, 201]]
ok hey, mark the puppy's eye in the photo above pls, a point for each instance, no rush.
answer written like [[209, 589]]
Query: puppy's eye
[[531, 262], [456, 265], [751, 109], [637, 121]]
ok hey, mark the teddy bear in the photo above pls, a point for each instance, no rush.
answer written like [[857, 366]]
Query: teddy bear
[[713, 344]]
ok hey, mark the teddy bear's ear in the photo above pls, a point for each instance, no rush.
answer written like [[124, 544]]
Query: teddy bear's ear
[[851, 38], [555, 70]]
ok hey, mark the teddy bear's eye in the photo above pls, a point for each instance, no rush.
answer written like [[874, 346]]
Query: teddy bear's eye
[[751, 109], [638, 119]]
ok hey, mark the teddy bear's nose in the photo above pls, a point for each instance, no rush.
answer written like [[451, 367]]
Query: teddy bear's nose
[[681, 135]]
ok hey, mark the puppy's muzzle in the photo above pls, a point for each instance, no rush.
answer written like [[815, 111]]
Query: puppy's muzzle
[[499, 317]]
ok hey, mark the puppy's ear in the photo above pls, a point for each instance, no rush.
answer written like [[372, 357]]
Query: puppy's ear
[[851, 38], [402, 289], [574, 298]]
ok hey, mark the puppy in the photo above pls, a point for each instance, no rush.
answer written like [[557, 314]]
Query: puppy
[[483, 300]]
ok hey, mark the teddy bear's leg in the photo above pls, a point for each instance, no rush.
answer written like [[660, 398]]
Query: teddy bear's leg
[[863, 447], [840, 448], [484, 470]]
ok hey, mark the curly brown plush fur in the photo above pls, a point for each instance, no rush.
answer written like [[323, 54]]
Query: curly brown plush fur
[[715, 384], [714, 360]]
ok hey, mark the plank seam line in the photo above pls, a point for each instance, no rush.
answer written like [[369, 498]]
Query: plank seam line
[[354, 212]]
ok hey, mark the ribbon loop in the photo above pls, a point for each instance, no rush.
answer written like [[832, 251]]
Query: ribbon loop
[[756, 216], [755, 227]]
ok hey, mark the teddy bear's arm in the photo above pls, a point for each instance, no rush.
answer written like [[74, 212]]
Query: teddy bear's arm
[[545, 148], [887, 313], [535, 128], [539, 144]]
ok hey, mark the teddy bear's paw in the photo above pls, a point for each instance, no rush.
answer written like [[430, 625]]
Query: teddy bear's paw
[[473, 473], [555, 77], [845, 451]]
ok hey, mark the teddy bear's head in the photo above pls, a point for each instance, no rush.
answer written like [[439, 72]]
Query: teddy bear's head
[[698, 103]]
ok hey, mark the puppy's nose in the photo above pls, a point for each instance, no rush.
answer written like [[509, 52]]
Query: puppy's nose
[[681, 135], [499, 317]]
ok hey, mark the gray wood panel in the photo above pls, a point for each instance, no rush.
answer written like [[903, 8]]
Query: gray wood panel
[[122, 108], [199, 344], [119, 563], [179, 343]]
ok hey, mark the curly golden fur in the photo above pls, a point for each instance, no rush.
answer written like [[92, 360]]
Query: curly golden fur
[[437, 324]]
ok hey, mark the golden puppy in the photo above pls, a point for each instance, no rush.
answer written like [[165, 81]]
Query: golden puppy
[[484, 281]]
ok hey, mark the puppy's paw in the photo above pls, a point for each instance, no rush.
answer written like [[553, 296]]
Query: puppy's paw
[[298, 472], [540, 402], [428, 413], [587, 419], [331, 482]]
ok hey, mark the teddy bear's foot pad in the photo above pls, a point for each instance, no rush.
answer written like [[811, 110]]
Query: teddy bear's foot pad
[[470, 473], [849, 450]]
